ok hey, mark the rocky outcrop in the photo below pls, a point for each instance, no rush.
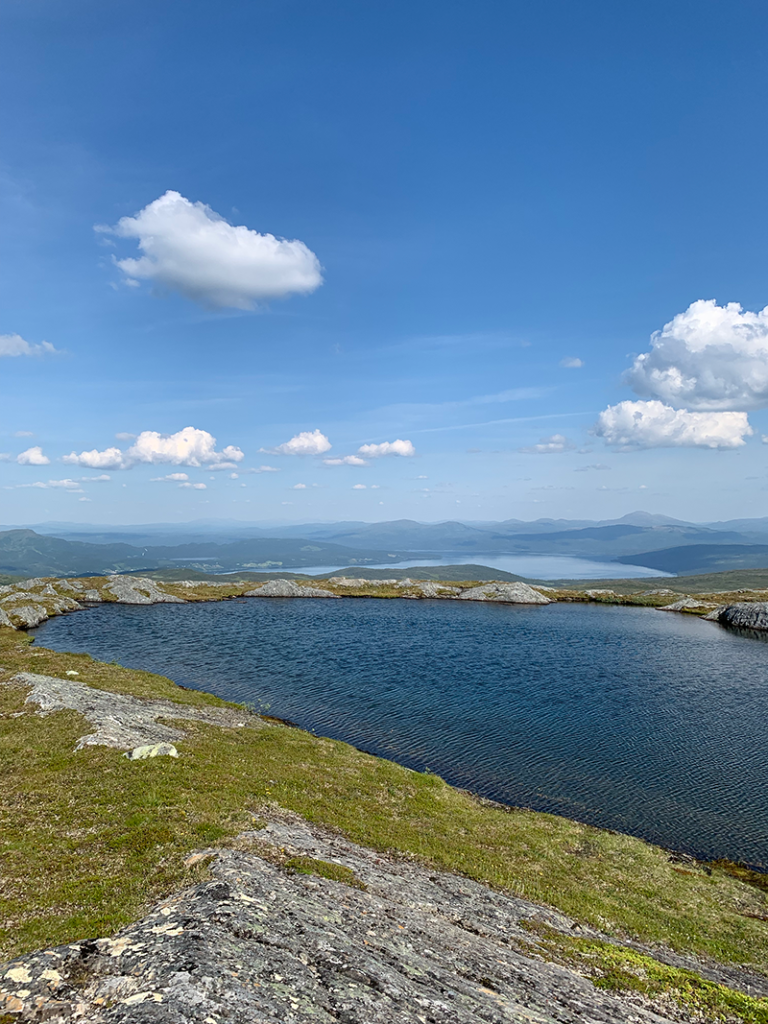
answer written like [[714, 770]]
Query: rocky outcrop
[[119, 720], [686, 604], [25, 616], [288, 588], [265, 944], [139, 590], [512, 593], [26, 604], [744, 614]]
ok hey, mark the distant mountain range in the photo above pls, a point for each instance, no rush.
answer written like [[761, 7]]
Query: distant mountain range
[[25, 552], [655, 541]]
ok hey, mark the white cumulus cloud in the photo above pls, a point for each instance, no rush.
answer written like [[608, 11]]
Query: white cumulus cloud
[[346, 460], [173, 477], [572, 363], [15, 345], [398, 447], [187, 447], [308, 442], [190, 249], [358, 487], [656, 425], [299, 487], [33, 457], [196, 487], [550, 446], [708, 358], [110, 458]]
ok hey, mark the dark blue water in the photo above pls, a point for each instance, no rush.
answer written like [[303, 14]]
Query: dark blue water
[[637, 720]]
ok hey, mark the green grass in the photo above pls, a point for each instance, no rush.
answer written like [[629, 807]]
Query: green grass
[[619, 969], [89, 840], [325, 869]]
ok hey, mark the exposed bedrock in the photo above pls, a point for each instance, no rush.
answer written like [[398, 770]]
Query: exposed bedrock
[[513, 593], [263, 944], [745, 614], [288, 588], [117, 719], [139, 590]]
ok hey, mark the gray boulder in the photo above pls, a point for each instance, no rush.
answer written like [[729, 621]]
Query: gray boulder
[[511, 593], [152, 750], [745, 614]]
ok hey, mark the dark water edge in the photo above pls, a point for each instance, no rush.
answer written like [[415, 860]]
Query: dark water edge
[[631, 719]]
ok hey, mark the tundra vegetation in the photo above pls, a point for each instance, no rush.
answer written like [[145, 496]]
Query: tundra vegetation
[[90, 839]]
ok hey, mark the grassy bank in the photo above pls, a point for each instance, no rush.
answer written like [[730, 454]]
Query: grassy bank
[[89, 839]]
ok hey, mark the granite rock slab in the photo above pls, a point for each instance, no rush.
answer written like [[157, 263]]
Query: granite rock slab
[[119, 720], [259, 944]]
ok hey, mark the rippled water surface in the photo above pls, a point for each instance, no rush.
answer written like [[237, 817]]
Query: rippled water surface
[[642, 721]]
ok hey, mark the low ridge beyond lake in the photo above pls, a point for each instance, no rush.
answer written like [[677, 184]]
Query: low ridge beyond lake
[[641, 721]]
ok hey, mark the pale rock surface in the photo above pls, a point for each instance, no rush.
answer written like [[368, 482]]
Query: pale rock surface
[[685, 604], [26, 616], [119, 720], [139, 590], [288, 588], [152, 750], [513, 593], [430, 589]]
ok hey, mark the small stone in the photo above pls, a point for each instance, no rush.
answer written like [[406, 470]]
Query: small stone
[[152, 750]]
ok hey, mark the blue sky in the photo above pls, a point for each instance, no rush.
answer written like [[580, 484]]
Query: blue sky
[[481, 214]]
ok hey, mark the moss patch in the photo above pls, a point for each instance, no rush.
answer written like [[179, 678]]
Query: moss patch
[[325, 869]]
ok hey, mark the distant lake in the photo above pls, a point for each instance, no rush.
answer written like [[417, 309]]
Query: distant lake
[[535, 567], [642, 721]]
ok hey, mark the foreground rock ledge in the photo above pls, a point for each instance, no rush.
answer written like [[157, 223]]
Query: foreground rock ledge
[[262, 945]]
